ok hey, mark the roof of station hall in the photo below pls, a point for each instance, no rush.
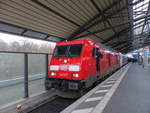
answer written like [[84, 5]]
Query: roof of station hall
[[106, 21]]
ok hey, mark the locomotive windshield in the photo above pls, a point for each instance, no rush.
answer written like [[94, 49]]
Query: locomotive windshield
[[68, 50]]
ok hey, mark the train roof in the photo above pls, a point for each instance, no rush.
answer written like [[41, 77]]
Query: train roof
[[107, 48], [86, 41], [71, 42]]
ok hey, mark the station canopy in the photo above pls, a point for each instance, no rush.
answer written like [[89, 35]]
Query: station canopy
[[109, 22]]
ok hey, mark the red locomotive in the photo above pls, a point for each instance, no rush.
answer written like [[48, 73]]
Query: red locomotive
[[77, 65]]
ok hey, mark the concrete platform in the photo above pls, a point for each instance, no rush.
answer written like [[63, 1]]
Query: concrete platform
[[133, 94], [96, 100]]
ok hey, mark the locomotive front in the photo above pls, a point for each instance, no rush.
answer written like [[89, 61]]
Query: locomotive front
[[65, 67]]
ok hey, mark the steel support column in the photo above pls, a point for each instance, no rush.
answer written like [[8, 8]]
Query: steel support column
[[46, 65], [26, 85]]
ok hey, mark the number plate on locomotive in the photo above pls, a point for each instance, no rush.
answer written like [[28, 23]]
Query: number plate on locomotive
[[63, 67], [63, 74]]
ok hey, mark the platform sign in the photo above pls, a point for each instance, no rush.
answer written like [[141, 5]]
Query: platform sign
[[135, 53], [146, 57]]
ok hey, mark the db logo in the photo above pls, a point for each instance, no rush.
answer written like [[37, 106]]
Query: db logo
[[64, 67]]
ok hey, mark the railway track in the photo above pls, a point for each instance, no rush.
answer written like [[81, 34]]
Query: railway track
[[54, 104]]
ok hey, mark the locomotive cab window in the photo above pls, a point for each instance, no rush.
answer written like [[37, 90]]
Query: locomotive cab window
[[98, 53], [60, 51], [101, 55], [75, 50], [68, 50], [93, 52]]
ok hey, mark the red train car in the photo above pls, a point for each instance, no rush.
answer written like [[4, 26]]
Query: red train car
[[77, 65]]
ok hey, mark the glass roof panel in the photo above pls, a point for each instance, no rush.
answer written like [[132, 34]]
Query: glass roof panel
[[139, 10]]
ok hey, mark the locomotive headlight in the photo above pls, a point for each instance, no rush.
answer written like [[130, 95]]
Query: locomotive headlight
[[74, 68], [75, 75], [54, 67], [53, 73], [65, 61]]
